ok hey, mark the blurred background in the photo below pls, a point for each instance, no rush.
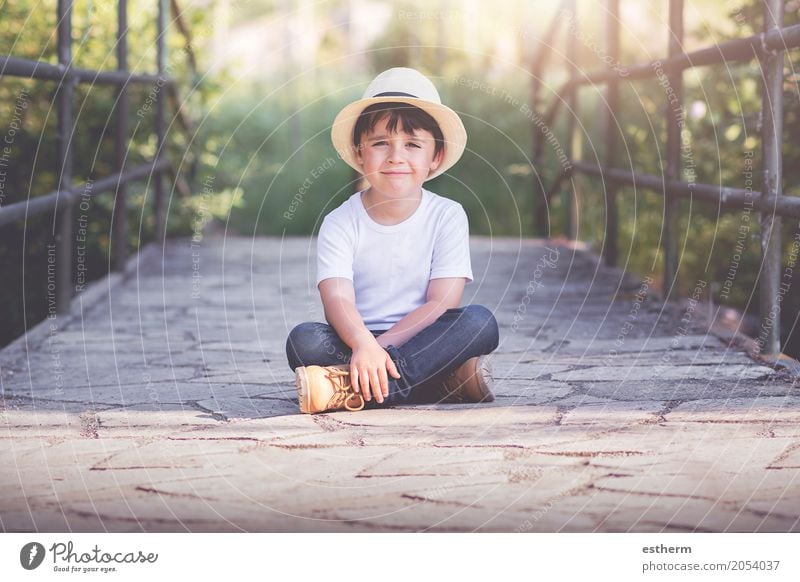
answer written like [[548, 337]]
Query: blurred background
[[261, 81]]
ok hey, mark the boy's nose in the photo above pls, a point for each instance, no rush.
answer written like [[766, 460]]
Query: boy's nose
[[396, 152]]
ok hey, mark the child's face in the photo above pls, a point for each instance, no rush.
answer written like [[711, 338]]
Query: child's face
[[397, 164]]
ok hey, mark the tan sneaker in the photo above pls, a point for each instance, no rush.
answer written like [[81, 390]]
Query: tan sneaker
[[470, 382], [321, 388]]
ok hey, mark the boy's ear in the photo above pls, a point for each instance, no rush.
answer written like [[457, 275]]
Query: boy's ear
[[437, 159]]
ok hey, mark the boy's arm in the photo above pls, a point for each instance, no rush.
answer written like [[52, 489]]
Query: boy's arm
[[442, 295], [369, 362], [339, 302]]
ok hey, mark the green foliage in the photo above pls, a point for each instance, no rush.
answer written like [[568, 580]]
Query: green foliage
[[28, 116], [265, 163], [722, 109]]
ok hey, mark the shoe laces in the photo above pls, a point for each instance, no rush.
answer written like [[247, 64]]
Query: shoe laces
[[343, 390], [451, 395]]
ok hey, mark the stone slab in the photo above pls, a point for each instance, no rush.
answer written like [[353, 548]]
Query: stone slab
[[180, 414]]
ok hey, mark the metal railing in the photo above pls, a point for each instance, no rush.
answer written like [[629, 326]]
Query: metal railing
[[768, 48], [63, 199]]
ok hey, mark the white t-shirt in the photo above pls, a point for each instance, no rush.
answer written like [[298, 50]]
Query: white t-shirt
[[390, 266]]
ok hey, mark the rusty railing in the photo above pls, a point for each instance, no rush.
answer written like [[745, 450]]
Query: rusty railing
[[63, 199], [768, 48]]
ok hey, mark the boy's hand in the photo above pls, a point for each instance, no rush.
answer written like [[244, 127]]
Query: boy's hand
[[368, 367]]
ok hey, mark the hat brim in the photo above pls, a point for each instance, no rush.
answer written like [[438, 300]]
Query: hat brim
[[455, 136]]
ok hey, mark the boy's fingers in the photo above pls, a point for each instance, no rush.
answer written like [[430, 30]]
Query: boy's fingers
[[375, 385], [393, 369], [384, 382], [363, 378], [354, 378]]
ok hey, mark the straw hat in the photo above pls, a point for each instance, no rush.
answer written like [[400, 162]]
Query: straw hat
[[401, 85]]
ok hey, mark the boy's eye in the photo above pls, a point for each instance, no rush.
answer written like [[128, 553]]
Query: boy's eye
[[382, 143]]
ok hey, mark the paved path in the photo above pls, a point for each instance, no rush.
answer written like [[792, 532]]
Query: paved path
[[170, 407]]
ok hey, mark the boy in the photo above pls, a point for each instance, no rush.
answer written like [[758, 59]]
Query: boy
[[392, 262]]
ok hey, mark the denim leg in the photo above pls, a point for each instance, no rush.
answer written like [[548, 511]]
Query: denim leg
[[425, 360], [316, 344]]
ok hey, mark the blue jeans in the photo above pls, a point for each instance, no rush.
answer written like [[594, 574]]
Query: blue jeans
[[423, 361]]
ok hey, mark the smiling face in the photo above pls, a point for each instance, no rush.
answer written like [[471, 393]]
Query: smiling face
[[397, 147], [396, 164]]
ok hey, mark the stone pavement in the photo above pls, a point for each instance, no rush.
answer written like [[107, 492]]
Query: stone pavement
[[165, 404]]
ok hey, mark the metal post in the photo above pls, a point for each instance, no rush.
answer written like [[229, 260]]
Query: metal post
[[539, 205], [544, 49], [675, 120], [769, 340], [612, 97], [66, 127], [161, 98], [119, 242], [572, 145]]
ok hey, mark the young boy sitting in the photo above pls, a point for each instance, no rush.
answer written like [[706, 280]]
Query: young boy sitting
[[392, 262]]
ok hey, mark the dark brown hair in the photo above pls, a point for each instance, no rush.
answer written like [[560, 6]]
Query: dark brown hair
[[409, 117]]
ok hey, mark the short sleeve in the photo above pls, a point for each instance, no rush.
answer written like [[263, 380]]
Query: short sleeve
[[451, 248], [334, 250]]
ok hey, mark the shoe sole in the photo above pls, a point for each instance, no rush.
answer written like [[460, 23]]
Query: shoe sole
[[485, 379], [303, 393], [480, 381]]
